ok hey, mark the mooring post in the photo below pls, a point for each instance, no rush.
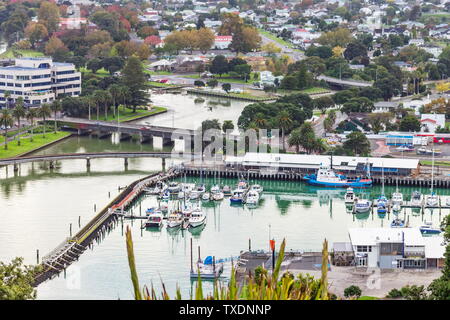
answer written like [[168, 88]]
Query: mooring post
[[192, 270], [164, 164], [79, 221], [70, 229], [88, 162], [249, 245], [125, 162], [95, 207], [37, 256], [109, 194]]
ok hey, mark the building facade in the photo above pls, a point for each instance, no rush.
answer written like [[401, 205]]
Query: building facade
[[38, 81]]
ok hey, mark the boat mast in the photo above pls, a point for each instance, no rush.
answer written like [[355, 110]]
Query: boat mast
[[382, 178], [432, 170], [331, 160]]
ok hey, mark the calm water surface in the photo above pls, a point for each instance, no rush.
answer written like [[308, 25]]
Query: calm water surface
[[38, 204]]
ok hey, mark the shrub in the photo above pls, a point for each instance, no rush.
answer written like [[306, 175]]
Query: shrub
[[394, 293], [352, 291]]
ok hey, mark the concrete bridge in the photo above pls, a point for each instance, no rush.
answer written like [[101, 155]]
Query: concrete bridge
[[93, 155], [126, 130], [345, 82]]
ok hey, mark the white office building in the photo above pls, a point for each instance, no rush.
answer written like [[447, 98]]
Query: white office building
[[38, 81]]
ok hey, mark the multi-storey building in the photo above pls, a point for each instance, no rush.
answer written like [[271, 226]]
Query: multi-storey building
[[38, 81]]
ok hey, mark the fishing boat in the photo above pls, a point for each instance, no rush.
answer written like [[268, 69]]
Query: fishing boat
[[362, 205], [227, 191], [165, 196], [175, 220], [252, 198], [154, 220], [326, 177], [174, 187], [349, 197], [398, 223], [242, 185], [257, 188], [238, 195], [197, 218], [181, 195], [416, 199], [427, 228], [206, 196]]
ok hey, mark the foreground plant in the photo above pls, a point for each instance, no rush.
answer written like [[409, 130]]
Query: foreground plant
[[262, 286]]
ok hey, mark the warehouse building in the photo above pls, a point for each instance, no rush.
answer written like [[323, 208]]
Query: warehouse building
[[305, 163]]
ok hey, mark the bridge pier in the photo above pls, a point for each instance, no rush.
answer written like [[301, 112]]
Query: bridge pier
[[163, 164], [125, 162], [88, 163], [51, 164], [15, 167]]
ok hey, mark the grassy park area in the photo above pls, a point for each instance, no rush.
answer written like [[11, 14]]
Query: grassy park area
[[100, 73], [278, 40], [26, 145], [436, 163], [127, 114], [16, 53], [156, 84]]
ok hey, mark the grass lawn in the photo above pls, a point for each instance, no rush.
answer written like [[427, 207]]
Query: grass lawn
[[277, 40], [15, 53], [243, 96], [158, 73], [368, 298], [26, 145], [437, 163], [314, 90], [100, 73], [224, 78], [127, 114]]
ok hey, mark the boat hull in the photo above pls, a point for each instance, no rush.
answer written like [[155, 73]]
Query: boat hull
[[343, 184]]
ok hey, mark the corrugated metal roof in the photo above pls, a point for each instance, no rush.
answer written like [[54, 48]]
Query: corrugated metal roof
[[372, 236], [286, 160]]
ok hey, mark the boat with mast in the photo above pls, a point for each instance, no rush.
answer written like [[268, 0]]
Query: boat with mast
[[382, 201], [432, 199], [397, 200]]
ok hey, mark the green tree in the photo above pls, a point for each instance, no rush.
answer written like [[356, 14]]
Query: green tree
[[308, 137], [285, 122], [55, 106], [18, 112], [295, 139], [227, 125], [226, 87], [48, 15], [114, 91], [31, 115], [135, 79], [219, 65], [6, 120], [44, 112], [410, 124], [212, 83], [357, 143], [323, 103], [16, 280]]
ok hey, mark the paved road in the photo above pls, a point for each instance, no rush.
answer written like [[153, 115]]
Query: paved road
[[318, 125], [294, 54]]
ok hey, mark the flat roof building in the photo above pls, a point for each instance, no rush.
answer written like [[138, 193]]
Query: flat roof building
[[38, 81], [308, 162]]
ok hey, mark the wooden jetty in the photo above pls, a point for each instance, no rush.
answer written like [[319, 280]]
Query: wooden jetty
[[71, 248]]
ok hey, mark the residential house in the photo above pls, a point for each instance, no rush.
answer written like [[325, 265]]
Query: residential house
[[386, 106], [431, 121], [222, 42]]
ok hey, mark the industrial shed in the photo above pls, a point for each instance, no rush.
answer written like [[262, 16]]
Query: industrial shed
[[303, 163]]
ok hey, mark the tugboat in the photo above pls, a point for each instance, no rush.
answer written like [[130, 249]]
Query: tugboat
[[326, 177]]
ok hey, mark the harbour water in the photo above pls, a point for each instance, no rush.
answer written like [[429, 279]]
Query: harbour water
[[38, 204]]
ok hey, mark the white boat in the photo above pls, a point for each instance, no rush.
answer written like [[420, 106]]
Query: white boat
[[226, 191], [416, 199], [398, 223], [215, 189], [174, 187], [218, 196], [181, 195], [432, 200], [207, 271], [397, 198], [242, 185], [187, 187], [197, 218], [252, 197], [362, 205], [447, 201], [256, 187], [163, 207], [427, 229], [159, 188], [175, 220], [206, 196], [349, 196], [187, 211], [154, 220], [165, 196]]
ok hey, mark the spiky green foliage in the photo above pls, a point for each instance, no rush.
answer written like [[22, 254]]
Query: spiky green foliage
[[267, 286]]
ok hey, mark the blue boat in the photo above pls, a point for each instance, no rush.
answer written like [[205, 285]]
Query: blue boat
[[326, 177], [382, 204], [398, 223], [427, 229], [238, 195]]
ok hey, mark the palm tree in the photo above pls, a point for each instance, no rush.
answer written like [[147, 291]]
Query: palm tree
[[55, 107], [31, 115], [295, 139], [97, 99], [7, 95], [285, 122], [6, 120], [115, 92], [44, 111], [18, 112], [260, 120]]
